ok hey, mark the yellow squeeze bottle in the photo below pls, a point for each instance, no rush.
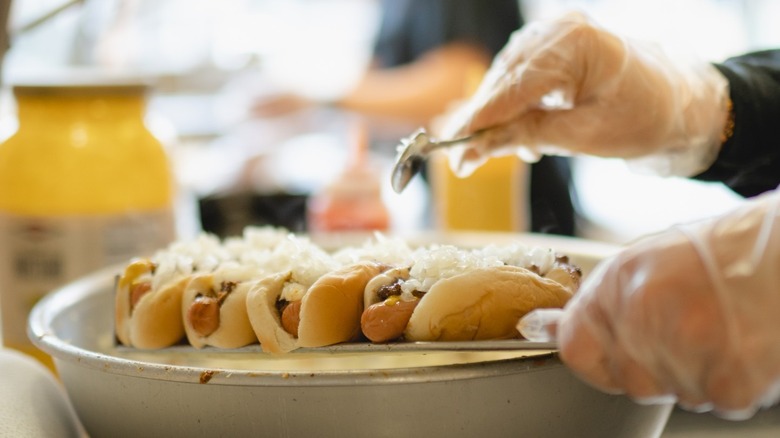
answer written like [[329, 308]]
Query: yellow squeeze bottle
[[83, 185], [493, 198]]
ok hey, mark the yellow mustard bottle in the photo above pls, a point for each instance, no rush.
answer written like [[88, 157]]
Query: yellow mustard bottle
[[493, 198], [83, 185]]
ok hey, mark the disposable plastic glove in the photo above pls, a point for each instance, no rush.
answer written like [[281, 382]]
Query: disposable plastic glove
[[568, 86], [692, 314]]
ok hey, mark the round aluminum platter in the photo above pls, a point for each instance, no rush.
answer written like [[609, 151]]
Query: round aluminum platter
[[118, 391]]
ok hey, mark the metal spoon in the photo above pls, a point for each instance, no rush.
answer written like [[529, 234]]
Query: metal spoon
[[412, 153]]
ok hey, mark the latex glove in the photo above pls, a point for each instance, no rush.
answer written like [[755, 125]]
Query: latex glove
[[692, 314], [568, 86]]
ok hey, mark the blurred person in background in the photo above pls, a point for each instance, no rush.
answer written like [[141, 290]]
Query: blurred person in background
[[689, 314], [429, 54]]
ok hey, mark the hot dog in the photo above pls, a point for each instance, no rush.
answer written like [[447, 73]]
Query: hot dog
[[147, 318], [385, 315], [457, 295], [286, 292], [274, 307], [148, 294], [214, 307], [265, 316], [482, 304], [273, 303], [287, 314], [277, 304], [331, 309]]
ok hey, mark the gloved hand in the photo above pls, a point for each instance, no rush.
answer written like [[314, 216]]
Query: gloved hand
[[569, 86], [691, 314]]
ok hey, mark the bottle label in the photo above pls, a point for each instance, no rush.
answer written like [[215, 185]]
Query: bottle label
[[39, 254]]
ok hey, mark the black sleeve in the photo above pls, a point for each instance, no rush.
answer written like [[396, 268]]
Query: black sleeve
[[749, 162]]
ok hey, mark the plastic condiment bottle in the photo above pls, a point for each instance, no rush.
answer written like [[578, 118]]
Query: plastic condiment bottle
[[493, 198], [353, 201], [83, 184]]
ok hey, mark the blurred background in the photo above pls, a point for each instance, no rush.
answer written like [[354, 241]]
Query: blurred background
[[213, 61]]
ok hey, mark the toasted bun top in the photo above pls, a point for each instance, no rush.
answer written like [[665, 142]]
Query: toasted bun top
[[331, 309], [484, 303]]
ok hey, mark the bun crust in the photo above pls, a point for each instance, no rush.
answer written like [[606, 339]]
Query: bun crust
[[156, 320], [261, 308], [483, 304], [331, 309]]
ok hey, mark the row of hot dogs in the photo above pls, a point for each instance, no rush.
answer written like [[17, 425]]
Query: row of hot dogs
[[284, 292]]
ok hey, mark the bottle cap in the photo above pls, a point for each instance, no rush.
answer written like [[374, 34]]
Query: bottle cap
[[81, 82]]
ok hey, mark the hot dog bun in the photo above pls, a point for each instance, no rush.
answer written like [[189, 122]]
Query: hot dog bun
[[287, 292], [214, 308], [155, 320], [273, 303], [484, 303], [331, 309], [151, 319], [148, 294], [465, 294], [136, 272], [261, 307]]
